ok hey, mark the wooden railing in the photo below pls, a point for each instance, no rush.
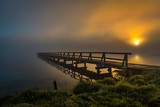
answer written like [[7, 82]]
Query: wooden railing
[[102, 56]]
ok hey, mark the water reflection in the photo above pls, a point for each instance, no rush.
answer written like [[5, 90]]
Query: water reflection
[[79, 71], [147, 59], [138, 59]]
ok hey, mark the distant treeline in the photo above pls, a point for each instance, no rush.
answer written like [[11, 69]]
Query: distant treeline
[[136, 91]]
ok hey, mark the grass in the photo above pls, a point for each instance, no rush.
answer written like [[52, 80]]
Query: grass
[[136, 91]]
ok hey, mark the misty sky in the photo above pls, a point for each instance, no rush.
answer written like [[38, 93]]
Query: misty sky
[[86, 25]]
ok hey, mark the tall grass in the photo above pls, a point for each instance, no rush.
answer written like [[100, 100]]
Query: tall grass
[[136, 91]]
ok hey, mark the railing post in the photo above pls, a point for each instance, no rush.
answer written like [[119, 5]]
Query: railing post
[[73, 55], [90, 56], [126, 55], [125, 61], [103, 58], [80, 56]]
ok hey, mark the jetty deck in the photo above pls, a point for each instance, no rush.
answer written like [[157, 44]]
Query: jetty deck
[[101, 59]]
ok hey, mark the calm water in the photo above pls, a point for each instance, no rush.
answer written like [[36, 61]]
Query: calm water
[[149, 59], [18, 72]]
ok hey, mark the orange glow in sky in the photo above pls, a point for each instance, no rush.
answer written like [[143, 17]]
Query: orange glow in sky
[[137, 38], [136, 41], [128, 22]]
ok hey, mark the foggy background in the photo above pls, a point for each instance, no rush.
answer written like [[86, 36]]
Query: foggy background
[[60, 25], [31, 26]]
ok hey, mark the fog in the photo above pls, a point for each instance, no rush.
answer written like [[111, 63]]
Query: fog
[[31, 26], [51, 25]]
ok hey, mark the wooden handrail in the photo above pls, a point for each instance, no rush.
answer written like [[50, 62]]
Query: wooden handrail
[[98, 52], [90, 56]]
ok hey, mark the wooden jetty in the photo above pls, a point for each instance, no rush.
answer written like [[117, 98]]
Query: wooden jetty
[[68, 62]]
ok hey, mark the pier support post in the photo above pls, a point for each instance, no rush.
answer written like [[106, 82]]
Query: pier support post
[[64, 61], [110, 71], [85, 66], [69, 71], [98, 71], [74, 74], [76, 64], [91, 79], [81, 78], [58, 59]]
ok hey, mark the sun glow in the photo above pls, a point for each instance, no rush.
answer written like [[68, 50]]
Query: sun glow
[[137, 37], [136, 42]]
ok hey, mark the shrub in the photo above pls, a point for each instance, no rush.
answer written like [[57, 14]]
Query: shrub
[[123, 86], [153, 77], [137, 80], [84, 100], [136, 91], [104, 97], [108, 81], [155, 102], [145, 93], [124, 102], [37, 96], [24, 105], [86, 87]]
